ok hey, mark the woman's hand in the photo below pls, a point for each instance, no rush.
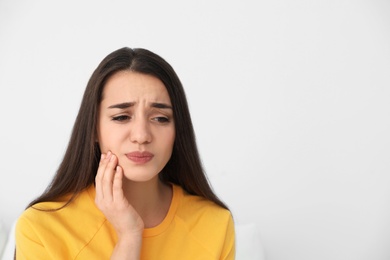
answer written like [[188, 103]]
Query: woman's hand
[[111, 201]]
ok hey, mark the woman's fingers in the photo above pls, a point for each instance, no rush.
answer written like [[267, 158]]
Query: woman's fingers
[[99, 177], [105, 177], [108, 177], [117, 184]]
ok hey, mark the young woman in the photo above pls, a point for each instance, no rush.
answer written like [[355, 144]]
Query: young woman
[[131, 184]]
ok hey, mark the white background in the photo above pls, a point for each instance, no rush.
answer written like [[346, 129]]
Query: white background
[[290, 102]]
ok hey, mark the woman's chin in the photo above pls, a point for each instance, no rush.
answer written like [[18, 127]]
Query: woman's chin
[[139, 176]]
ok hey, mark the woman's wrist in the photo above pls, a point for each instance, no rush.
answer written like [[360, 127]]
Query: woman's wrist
[[128, 247]]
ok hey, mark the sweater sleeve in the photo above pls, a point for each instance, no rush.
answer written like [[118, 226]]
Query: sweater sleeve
[[229, 250], [28, 244]]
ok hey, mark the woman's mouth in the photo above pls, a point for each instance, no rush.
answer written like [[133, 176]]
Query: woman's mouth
[[139, 157]]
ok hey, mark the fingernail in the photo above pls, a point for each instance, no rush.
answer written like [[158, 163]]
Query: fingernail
[[109, 155]]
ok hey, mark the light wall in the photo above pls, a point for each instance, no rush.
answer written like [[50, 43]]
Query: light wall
[[290, 102]]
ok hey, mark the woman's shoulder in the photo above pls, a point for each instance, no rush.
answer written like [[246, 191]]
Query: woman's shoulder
[[210, 225], [54, 229], [52, 212], [196, 208], [195, 202]]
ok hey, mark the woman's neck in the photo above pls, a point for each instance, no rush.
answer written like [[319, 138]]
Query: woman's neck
[[150, 199]]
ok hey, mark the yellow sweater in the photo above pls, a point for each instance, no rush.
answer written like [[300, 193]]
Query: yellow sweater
[[194, 228]]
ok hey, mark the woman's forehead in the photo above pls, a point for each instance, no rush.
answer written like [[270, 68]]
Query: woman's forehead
[[129, 86]]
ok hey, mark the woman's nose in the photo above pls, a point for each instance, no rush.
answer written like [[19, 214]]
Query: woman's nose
[[140, 131]]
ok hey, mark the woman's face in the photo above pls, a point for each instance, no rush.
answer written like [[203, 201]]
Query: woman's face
[[136, 124]]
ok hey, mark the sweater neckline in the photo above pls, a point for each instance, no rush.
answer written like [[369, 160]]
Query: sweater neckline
[[160, 228]]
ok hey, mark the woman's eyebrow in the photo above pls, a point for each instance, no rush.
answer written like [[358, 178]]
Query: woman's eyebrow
[[131, 104], [122, 105], [160, 105]]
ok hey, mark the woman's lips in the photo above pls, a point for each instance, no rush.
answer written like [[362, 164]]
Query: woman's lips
[[139, 157]]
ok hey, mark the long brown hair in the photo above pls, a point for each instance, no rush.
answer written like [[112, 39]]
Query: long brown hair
[[78, 168]]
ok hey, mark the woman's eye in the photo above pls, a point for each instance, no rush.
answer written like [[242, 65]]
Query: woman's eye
[[120, 118], [161, 119]]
